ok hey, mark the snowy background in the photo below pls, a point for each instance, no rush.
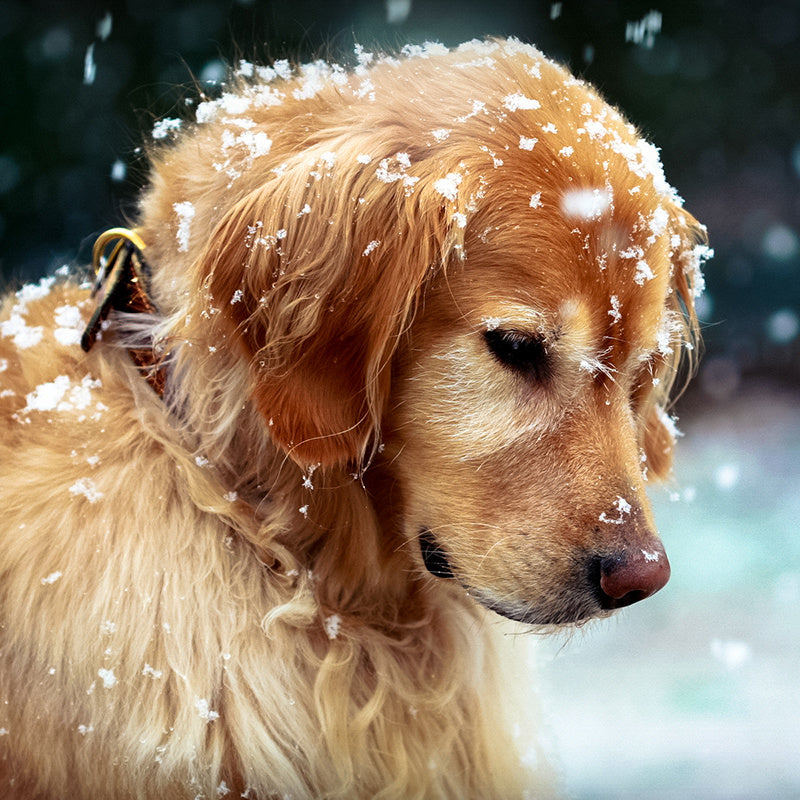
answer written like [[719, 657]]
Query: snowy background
[[696, 692]]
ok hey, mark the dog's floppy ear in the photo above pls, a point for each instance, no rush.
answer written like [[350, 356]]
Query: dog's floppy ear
[[315, 275], [682, 340], [659, 442]]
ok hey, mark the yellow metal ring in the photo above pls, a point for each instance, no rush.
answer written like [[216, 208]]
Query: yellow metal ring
[[103, 240]]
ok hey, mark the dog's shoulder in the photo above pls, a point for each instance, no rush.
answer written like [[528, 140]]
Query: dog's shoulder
[[40, 354]]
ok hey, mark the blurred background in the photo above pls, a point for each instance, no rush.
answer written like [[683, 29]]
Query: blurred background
[[696, 693]]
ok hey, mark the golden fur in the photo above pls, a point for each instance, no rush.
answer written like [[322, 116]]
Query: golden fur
[[224, 591]]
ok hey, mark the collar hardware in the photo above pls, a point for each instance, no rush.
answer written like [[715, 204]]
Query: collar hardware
[[121, 284]]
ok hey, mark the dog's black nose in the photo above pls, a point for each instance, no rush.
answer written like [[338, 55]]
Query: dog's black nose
[[632, 575]]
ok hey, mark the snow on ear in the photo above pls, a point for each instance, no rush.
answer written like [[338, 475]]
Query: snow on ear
[[315, 275], [679, 338], [660, 434]]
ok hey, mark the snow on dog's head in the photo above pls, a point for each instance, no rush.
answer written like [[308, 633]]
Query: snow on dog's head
[[352, 265]]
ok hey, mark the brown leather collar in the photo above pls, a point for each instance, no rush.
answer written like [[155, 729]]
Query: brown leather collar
[[122, 285]]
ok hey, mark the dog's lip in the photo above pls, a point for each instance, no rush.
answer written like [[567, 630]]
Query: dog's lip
[[574, 613], [581, 609]]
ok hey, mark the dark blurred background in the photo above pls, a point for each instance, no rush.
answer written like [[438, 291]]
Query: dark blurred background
[[715, 85]]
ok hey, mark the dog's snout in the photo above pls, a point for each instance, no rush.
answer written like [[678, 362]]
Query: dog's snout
[[632, 575]]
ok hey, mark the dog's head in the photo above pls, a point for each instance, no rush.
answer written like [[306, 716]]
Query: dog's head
[[473, 261]]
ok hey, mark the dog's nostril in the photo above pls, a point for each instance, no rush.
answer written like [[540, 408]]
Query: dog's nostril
[[632, 575]]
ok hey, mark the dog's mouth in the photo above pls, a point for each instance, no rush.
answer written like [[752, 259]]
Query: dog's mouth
[[434, 557], [572, 607]]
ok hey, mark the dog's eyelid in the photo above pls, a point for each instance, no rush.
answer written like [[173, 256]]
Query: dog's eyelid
[[521, 351]]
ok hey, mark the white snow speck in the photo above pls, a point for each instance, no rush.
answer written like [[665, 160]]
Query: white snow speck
[[732, 654], [108, 678], [622, 506], [518, 101], [70, 325], [89, 66], [255, 143], [643, 272], [24, 336], [231, 497], [397, 11], [51, 578], [566, 151], [185, 212], [150, 672], [223, 789], [659, 221], [586, 204], [35, 291], [104, 26], [615, 312], [204, 710], [669, 422], [332, 625], [644, 31], [448, 186], [84, 729], [394, 169], [374, 244], [307, 482], [692, 266], [107, 627], [246, 69], [726, 476], [440, 134], [651, 556], [85, 487], [119, 171], [477, 107], [47, 396], [165, 126], [61, 395], [536, 200], [3, 731], [526, 143]]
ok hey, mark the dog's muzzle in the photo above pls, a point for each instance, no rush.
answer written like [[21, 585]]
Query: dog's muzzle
[[607, 582]]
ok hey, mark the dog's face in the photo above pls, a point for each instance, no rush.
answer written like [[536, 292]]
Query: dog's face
[[498, 292], [518, 429]]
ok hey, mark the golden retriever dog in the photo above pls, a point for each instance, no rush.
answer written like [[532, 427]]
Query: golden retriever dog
[[388, 350]]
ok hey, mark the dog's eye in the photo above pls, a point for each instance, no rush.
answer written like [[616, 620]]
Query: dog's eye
[[520, 352]]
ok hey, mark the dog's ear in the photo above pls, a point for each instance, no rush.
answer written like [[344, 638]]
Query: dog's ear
[[659, 442], [315, 275], [689, 250]]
